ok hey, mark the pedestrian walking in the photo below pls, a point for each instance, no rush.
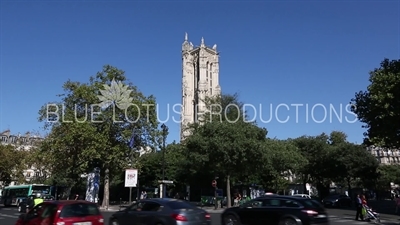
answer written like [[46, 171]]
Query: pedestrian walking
[[237, 199], [359, 208]]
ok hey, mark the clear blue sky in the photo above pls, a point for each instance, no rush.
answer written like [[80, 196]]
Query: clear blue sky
[[272, 52]]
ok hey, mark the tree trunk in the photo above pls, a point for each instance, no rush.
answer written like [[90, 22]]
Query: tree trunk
[[69, 189], [228, 192], [106, 194], [69, 193]]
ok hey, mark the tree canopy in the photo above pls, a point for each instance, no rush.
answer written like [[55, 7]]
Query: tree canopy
[[379, 106], [93, 122]]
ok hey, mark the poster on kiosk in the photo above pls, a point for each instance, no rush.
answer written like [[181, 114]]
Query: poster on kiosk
[[131, 177]]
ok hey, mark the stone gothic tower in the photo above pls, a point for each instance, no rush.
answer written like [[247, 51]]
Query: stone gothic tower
[[200, 78]]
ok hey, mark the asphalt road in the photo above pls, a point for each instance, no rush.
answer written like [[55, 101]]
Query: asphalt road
[[8, 216]]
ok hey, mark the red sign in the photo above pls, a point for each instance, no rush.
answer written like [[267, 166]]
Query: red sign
[[214, 183]]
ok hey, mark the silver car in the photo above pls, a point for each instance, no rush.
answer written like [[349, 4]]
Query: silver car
[[163, 211]]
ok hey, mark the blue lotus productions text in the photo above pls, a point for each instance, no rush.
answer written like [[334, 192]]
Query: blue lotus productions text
[[264, 113]]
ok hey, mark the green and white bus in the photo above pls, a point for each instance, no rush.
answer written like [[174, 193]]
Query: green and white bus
[[13, 195]]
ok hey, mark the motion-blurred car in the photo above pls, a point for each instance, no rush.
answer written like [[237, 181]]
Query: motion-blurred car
[[163, 211], [63, 213], [276, 210], [338, 201]]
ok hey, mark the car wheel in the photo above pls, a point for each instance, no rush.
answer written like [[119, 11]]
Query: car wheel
[[114, 222], [231, 220], [288, 221]]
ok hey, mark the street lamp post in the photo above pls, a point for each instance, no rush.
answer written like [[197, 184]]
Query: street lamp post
[[164, 134]]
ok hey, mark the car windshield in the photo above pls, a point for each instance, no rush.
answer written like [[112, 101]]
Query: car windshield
[[312, 203], [179, 205], [79, 210]]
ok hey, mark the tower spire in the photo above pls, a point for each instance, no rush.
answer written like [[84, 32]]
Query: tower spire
[[186, 37], [202, 41]]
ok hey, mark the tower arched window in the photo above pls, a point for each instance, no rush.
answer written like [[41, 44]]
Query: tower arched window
[[207, 67]]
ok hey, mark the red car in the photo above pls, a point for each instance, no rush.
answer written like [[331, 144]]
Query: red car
[[65, 212]]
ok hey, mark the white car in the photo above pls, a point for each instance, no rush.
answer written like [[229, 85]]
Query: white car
[[302, 195]]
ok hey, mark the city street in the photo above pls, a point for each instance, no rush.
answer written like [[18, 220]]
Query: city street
[[8, 216]]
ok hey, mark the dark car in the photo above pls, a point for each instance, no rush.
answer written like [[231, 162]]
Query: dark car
[[276, 210], [63, 212], [338, 201], [163, 211]]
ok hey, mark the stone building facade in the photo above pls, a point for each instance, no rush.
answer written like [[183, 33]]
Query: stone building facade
[[384, 155], [200, 78], [23, 143]]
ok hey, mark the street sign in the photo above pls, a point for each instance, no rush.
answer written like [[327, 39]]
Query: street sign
[[214, 183]]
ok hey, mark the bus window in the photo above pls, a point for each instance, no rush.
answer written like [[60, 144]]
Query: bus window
[[18, 192], [40, 189]]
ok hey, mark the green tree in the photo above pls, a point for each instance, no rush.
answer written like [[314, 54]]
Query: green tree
[[379, 107], [387, 174], [150, 171], [227, 149], [34, 158], [316, 151], [68, 150], [353, 165], [281, 161], [11, 164], [175, 166], [86, 130], [223, 143]]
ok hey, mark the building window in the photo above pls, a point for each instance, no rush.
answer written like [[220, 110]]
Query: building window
[[12, 140], [210, 91], [4, 139], [211, 69], [207, 66]]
